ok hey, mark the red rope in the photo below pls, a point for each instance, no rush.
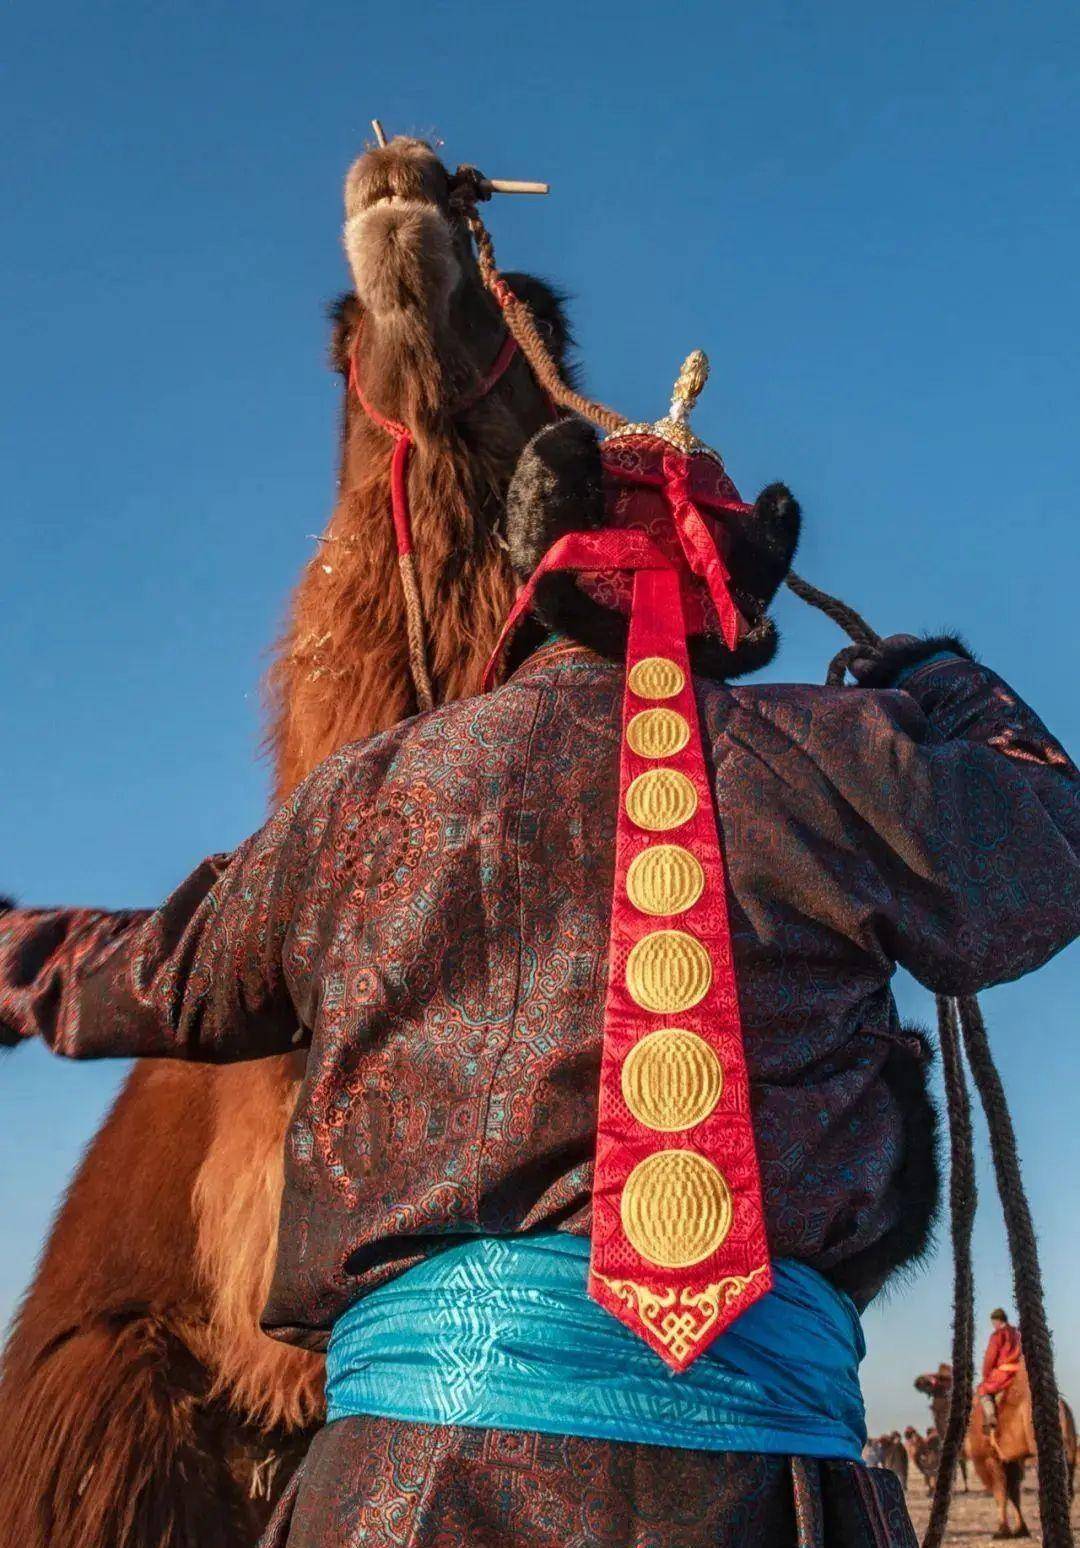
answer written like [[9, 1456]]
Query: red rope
[[399, 492], [403, 436], [400, 514], [499, 364]]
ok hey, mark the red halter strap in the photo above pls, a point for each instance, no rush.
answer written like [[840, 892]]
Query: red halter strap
[[402, 517], [403, 436]]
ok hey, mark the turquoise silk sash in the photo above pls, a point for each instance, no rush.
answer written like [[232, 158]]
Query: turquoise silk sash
[[499, 1333]]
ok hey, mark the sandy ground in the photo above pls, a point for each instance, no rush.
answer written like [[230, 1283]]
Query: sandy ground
[[973, 1517]]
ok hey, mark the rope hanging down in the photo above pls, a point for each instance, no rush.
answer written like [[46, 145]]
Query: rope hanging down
[[962, 1204], [1054, 1490]]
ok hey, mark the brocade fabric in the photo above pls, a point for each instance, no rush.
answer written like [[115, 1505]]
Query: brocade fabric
[[429, 915], [377, 1483]]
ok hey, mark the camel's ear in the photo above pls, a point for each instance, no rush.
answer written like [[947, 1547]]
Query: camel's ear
[[557, 488], [344, 314], [548, 306]]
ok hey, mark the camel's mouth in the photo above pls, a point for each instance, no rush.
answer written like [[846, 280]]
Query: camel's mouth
[[398, 235], [391, 201], [405, 172]]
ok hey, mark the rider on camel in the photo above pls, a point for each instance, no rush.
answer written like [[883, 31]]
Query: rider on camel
[[1000, 1364]]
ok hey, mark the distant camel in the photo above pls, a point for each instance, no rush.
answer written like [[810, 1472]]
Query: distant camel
[[999, 1458], [925, 1452], [888, 1451], [937, 1386]]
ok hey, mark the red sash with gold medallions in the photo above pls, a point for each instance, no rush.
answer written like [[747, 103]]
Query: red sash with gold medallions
[[678, 1235]]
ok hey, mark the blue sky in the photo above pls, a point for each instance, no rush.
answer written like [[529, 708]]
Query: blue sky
[[868, 215]]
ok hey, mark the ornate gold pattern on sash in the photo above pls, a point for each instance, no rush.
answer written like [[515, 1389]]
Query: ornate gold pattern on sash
[[660, 799], [671, 1080], [681, 1319], [668, 971], [658, 733], [655, 677], [665, 879], [676, 1208]]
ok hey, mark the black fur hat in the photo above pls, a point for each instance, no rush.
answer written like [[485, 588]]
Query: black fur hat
[[561, 485]]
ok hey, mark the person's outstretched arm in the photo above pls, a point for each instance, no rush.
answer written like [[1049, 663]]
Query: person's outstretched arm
[[977, 807], [213, 974]]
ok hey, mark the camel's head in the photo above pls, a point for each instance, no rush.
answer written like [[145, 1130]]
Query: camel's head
[[430, 327], [424, 332], [403, 245], [925, 1384]]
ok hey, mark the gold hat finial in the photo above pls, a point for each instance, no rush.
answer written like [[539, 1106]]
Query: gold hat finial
[[689, 386], [674, 427]]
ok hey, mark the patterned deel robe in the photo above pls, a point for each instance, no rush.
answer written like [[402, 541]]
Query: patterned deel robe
[[428, 914]]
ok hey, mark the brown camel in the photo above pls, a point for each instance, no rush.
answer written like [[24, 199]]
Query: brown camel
[[888, 1451], [999, 1457], [140, 1406], [937, 1386], [924, 1452]]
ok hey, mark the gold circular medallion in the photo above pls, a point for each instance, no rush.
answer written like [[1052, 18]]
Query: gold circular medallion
[[671, 1080], [676, 1208], [660, 799], [668, 971], [658, 733], [655, 677], [664, 879]]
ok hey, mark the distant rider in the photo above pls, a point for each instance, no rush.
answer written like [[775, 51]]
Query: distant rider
[[1000, 1364]]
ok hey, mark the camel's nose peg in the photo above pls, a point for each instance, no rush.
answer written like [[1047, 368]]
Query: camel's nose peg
[[506, 185], [510, 185]]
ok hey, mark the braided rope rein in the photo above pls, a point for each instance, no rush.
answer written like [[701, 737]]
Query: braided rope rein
[[963, 1200], [1036, 1340]]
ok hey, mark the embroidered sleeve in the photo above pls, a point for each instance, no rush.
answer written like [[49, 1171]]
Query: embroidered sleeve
[[214, 974]]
